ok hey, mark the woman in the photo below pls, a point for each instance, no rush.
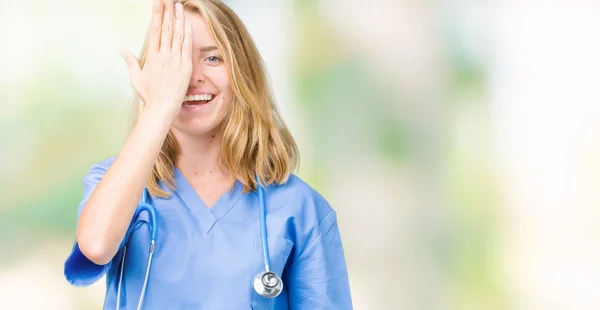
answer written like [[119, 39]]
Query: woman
[[206, 137]]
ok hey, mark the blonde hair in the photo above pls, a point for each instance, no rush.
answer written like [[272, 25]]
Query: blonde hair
[[255, 140]]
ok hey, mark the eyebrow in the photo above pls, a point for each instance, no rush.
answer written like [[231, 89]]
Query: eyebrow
[[206, 49]]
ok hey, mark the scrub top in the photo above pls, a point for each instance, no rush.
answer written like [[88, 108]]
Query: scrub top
[[207, 258]]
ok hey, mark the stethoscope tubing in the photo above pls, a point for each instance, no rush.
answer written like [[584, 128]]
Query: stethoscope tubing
[[145, 205], [263, 227]]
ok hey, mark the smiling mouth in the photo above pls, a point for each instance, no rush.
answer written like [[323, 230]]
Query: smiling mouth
[[197, 100]]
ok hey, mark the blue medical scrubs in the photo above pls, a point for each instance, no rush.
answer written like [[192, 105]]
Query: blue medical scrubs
[[207, 258]]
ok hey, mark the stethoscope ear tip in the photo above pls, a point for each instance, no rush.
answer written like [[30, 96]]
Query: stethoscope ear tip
[[268, 284]]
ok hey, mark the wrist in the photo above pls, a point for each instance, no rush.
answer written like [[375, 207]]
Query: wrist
[[156, 115]]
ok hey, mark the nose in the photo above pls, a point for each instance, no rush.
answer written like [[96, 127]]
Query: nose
[[197, 74]]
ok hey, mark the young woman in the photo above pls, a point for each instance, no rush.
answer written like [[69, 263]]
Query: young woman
[[207, 152]]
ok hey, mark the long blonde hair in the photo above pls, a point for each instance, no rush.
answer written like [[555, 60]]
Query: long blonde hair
[[255, 139]]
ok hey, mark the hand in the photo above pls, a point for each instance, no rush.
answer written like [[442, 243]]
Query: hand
[[164, 80]]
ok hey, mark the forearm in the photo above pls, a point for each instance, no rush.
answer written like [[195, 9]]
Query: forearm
[[107, 214]]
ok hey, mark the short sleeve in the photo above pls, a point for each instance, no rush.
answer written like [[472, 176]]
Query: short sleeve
[[78, 269], [318, 278]]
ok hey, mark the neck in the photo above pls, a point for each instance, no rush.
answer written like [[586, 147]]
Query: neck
[[200, 157]]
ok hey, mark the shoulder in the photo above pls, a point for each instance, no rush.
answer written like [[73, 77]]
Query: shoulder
[[300, 201], [106, 162], [93, 177], [98, 169], [308, 215]]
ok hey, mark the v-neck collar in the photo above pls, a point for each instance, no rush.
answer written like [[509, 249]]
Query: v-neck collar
[[207, 217]]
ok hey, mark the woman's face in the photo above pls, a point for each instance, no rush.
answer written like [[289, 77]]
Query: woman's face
[[209, 94]]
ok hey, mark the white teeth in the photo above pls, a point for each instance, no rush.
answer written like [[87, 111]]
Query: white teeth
[[204, 97]]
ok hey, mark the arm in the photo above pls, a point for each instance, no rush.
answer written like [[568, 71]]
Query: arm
[[161, 84], [113, 194], [318, 278]]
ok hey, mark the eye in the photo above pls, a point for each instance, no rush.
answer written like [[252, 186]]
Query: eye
[[214, 59]]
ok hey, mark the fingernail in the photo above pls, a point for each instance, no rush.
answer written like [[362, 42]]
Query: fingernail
[[157, 2], [178, 9]]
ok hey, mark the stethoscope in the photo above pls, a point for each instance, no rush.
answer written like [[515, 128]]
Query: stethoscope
[[267, 283]]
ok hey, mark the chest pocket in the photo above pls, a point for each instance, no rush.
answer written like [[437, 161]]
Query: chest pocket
[[279, 251]]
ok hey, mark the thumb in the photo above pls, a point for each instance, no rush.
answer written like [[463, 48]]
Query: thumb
[[132, 63], [134, 68]]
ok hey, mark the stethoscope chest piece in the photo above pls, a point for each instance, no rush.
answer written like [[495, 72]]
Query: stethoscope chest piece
[[268, 284]]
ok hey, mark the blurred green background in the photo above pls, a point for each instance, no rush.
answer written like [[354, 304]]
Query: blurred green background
[[457, 140]]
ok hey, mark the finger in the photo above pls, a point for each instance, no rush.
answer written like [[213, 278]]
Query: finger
[[155, 26], [178, 33], [167, 27], [186, 50], [134, 68]]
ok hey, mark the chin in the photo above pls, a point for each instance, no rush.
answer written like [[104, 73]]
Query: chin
[[196, 128]]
